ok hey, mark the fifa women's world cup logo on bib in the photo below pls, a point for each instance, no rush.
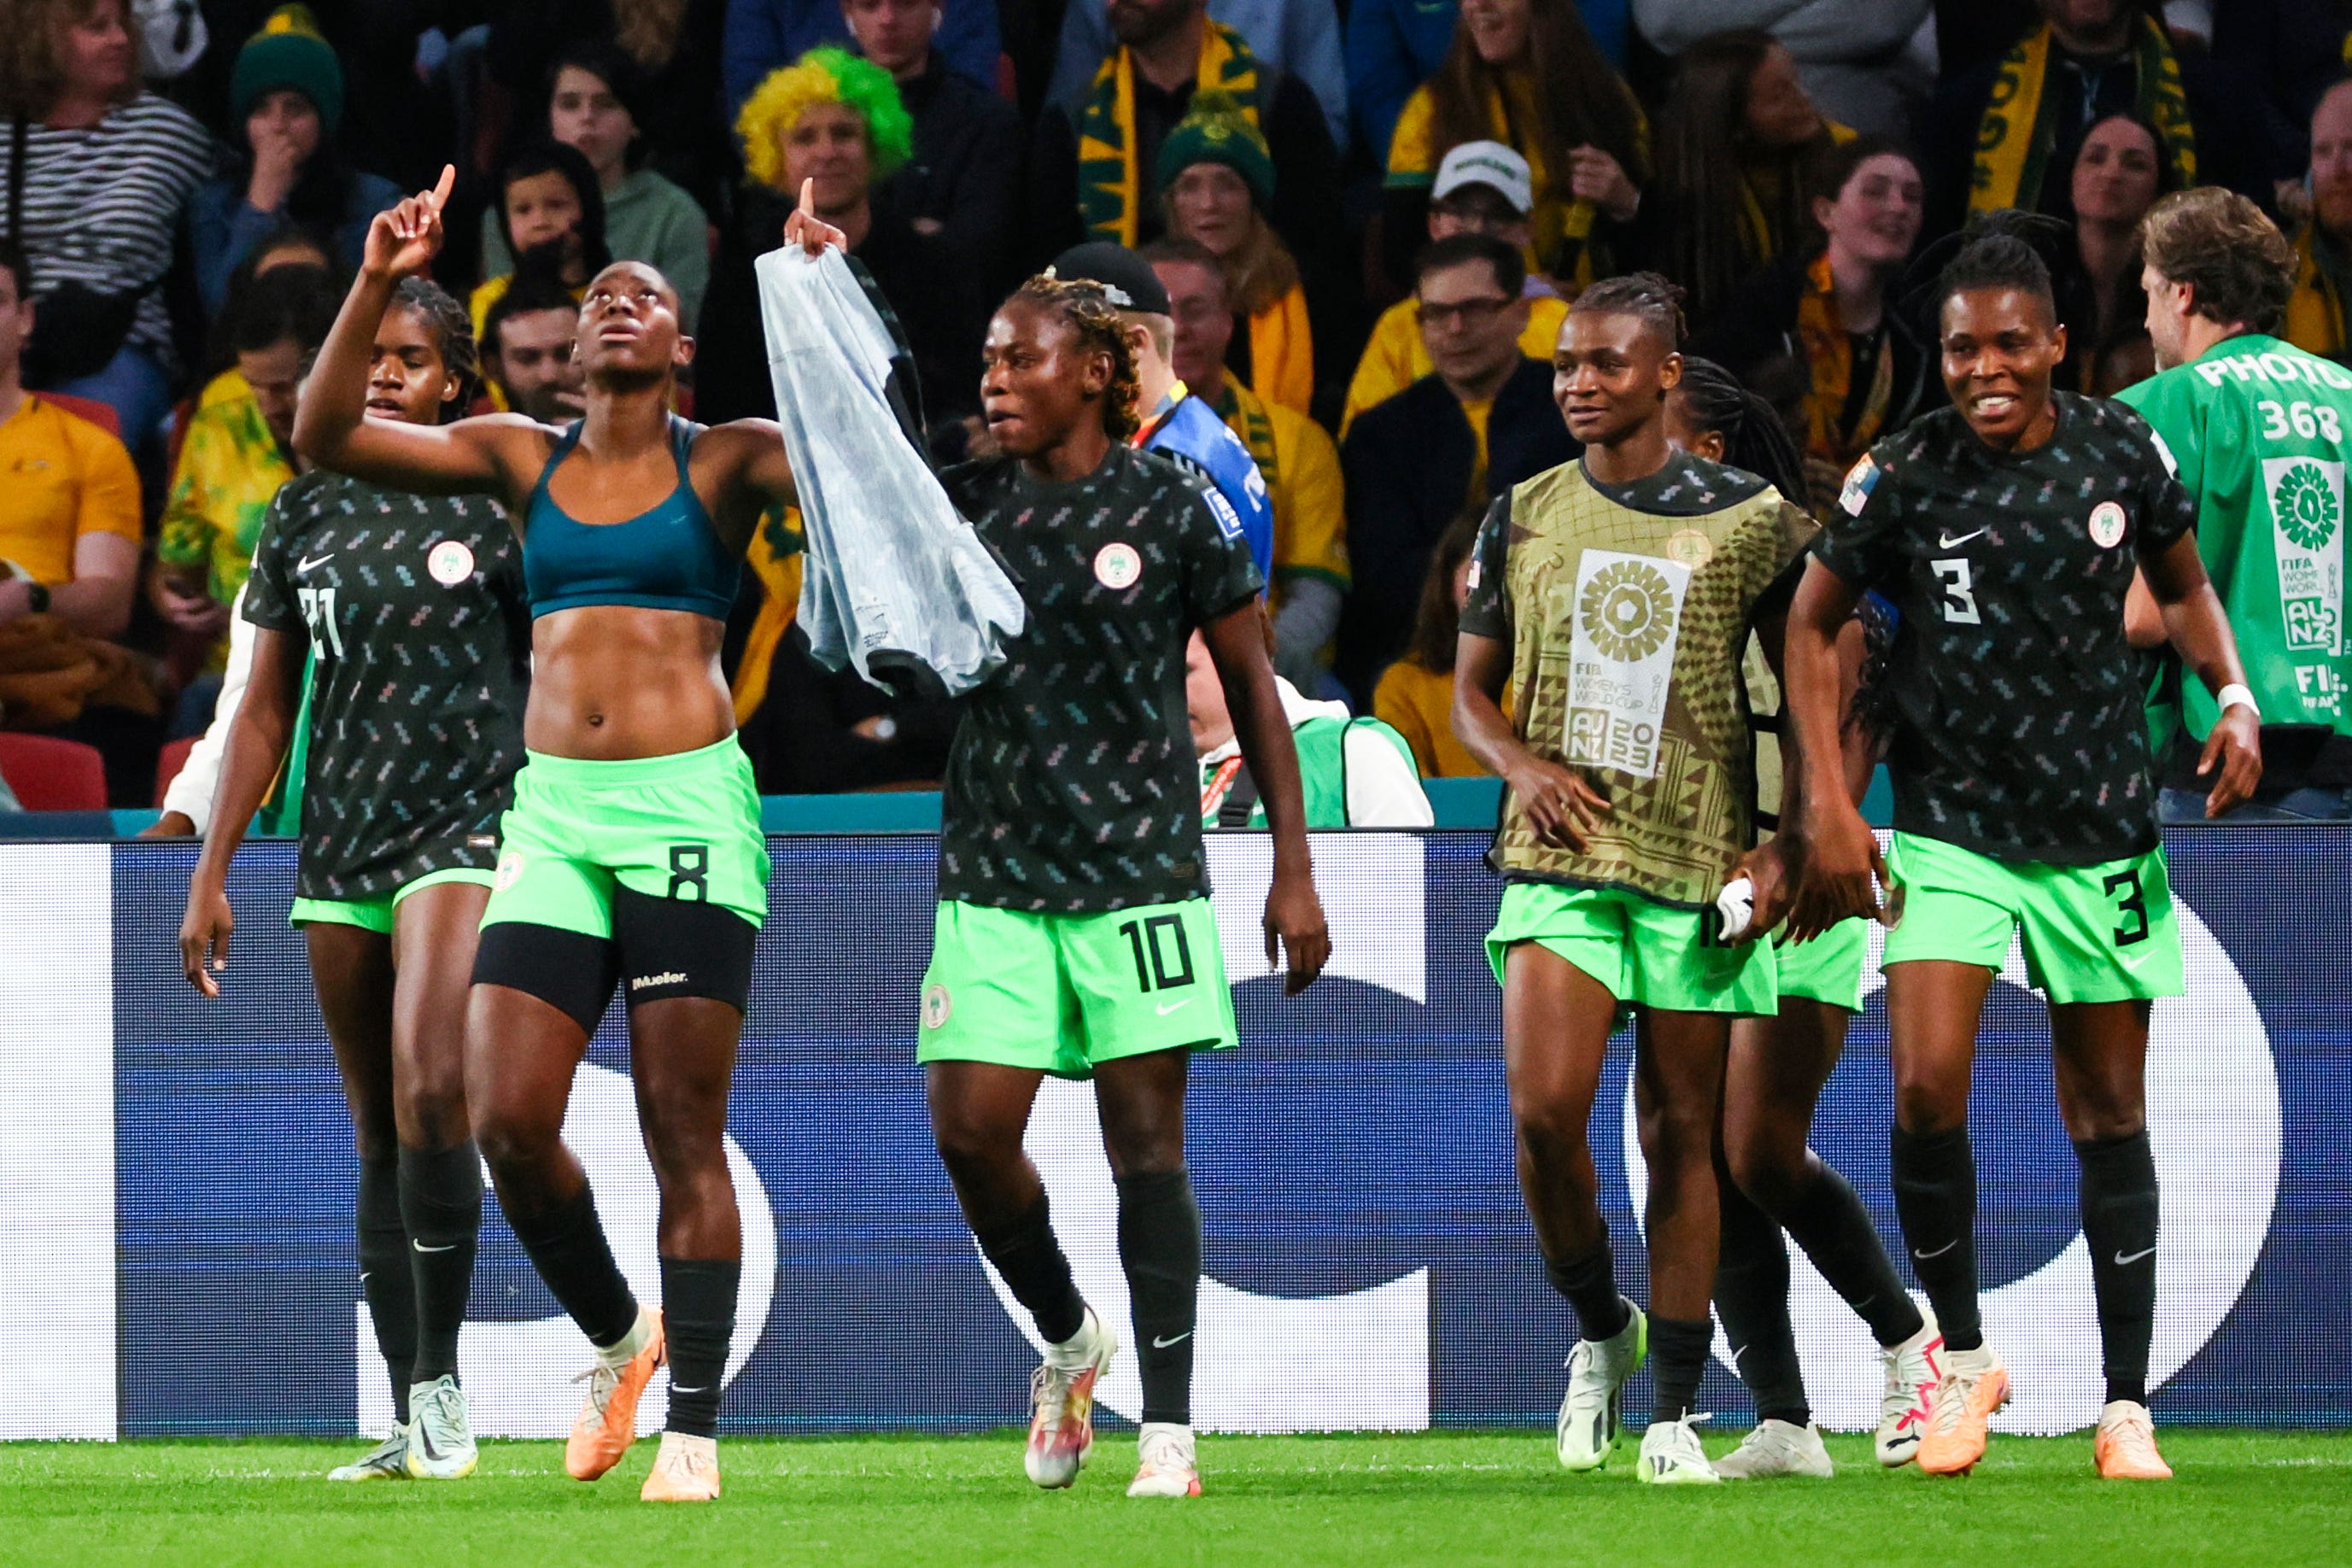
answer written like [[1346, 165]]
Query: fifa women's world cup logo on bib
[[2306, 498], [1621, 658]]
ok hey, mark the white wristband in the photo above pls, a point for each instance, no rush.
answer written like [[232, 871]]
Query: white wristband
[[2236, 695]]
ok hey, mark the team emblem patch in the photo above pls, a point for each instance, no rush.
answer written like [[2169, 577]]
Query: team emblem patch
[[1860, 480], [937, 1006], [1691, 546], [1116, 566], [450, 562], [2107, 525], [509, 871]]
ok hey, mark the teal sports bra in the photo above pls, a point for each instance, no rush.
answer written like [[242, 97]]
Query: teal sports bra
[[667, 558]]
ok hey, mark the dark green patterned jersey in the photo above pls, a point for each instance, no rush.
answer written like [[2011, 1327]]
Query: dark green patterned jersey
[[1072, 788], [2016, 702], [1627, 609], [420, 648]]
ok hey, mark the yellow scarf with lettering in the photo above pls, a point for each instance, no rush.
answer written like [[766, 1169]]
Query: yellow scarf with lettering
[[2314, 312], [2017, 133], [1828, 353], [1110, 180]]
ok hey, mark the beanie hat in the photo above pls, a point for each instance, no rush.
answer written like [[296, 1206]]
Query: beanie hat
[[1216, 131], [288, 51]]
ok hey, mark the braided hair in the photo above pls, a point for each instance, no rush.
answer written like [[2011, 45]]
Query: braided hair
[[1100, 330], [1755, 437], [453, 330], [1648, 295]]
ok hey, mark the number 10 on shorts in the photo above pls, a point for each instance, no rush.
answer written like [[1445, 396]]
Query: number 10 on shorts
[[1156, 942]]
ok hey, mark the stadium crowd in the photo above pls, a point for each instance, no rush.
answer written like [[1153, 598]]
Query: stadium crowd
[[1366, 218]]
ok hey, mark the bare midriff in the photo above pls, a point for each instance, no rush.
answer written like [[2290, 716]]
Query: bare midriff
[[616, 682]]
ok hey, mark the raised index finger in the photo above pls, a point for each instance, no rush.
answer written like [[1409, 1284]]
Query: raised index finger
[[440, 196], [808, 198]]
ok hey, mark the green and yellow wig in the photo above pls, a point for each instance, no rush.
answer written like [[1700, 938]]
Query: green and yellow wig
[[824, 76]]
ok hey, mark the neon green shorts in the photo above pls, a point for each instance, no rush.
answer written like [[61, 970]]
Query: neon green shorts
[[685, 826], [1064, 993], [375, 914], [1828, 968], [1647, 954], [2090, 933]]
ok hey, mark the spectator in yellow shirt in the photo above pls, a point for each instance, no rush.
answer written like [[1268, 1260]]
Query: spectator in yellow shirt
[[1296, 459], [1415, 694], [69, 495], [1483, 187], [239, 448]]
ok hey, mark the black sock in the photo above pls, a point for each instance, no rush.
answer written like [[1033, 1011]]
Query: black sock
[[567, 1245], [1751, 1295], [1034, 1268], [441, 1200], [1590, 1284], [1678, 1355], [384, 1277], [698, 1319], [1159, 1245], [1935, 1196], [1828, 1220], [2119, 1216]]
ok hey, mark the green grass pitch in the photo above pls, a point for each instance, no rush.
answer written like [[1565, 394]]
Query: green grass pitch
[[1291, 1502]]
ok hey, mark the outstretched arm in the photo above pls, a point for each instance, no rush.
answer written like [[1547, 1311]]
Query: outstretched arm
[[755, 448], [1294, 915], [2194, 620], [331, 423]]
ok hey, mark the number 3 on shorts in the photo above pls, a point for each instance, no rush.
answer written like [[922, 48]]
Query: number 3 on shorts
[[2132, 907]]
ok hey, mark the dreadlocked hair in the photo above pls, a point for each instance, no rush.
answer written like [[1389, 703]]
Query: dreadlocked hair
[[1648, 295], [1755, 437], [1097, 321], [453, 330]]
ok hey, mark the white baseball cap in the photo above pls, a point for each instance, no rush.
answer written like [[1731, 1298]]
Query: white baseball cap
[[1486, 164]]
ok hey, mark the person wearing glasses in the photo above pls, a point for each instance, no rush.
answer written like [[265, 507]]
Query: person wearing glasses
[[1481, 421]]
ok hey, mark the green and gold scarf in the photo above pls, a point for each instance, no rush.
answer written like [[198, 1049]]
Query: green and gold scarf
[[1110, 182], [2018, 131]]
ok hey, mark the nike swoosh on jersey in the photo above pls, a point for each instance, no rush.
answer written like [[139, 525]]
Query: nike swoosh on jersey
[[1940, 1252], [1160, 1344], [1946, 541], [2123, 1261], [306, 564], [1167, 1007]]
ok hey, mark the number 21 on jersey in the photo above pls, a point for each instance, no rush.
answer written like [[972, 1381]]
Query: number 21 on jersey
[[319, 613]]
